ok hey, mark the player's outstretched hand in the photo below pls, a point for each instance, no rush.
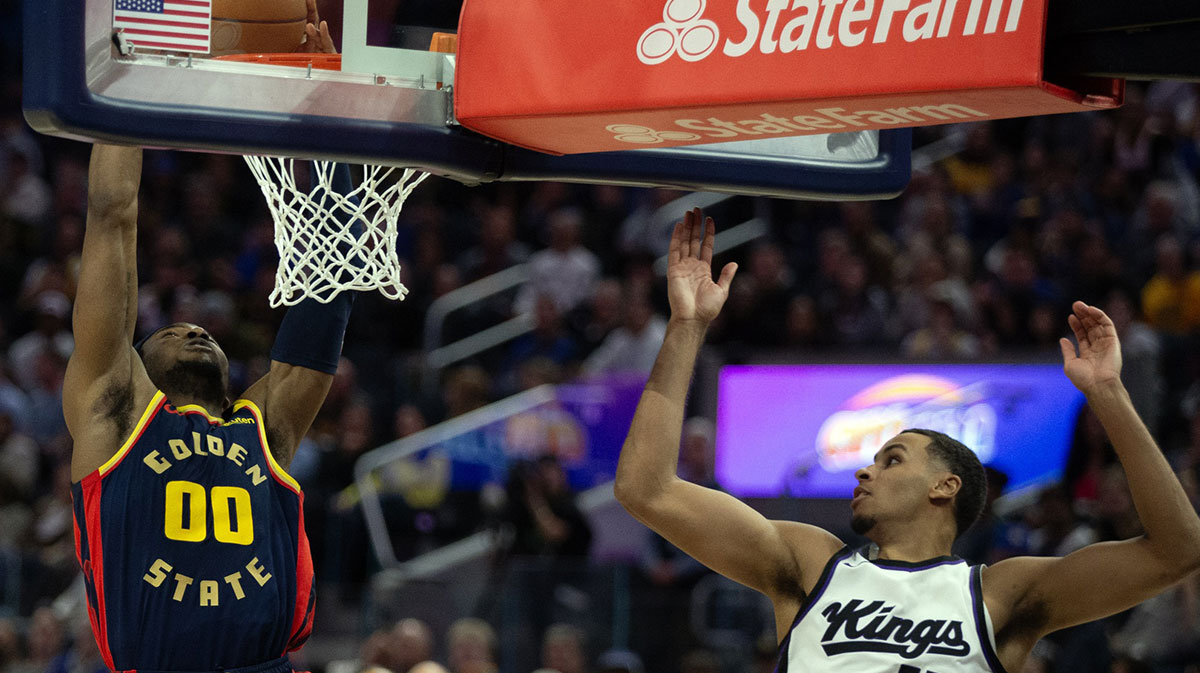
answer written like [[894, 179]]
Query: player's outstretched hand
[[690, 288], [316, 33], [1098, 362]]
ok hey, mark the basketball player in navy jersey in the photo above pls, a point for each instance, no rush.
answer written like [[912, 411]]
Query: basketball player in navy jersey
[[189, 530], [905, 605]]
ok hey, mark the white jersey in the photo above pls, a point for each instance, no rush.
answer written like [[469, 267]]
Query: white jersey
[[878, 616]]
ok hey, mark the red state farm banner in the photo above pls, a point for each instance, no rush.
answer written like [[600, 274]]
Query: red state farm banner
[[567, 77]]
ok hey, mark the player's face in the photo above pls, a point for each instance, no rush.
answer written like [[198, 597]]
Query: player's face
[[894, 485], [184, 344]]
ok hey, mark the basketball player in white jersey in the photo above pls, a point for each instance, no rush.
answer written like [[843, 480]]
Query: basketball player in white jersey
[[910, 607]]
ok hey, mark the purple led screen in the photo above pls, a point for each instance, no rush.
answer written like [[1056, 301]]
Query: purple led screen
[[802, 430]]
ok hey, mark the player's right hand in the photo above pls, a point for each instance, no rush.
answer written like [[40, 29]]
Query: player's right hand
[[690, 288]]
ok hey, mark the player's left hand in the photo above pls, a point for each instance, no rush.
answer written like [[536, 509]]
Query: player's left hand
[[316, 33], [1098, 362]]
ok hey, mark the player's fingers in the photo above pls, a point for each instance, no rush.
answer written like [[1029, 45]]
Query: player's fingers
[[727, 275], [327, 39], [1080, 333], [675, 251], [1068, 349], [706, 248], [685, 234], [311, 7], [691, 246]]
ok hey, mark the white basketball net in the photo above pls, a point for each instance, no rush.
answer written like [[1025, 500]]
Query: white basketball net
[[319, 254]]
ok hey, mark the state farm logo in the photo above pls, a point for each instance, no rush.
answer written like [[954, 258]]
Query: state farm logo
[[794, 26], [682, 32], [644, 135]]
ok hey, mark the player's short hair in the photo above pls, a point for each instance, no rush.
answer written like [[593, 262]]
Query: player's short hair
[[961, 461]]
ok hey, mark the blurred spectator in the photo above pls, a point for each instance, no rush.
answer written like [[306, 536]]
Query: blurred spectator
[[542, 515], [12, 650], [700, 661], [1171, 298], [472, 646], [942, 339], [20, 460], [1140, 354], [858, 312], [83, 656], [548, 340], [602, 314], [52, 540], [464, 389], [26, 196], [647, 230], [540, 562], [374, 655], [566, 271], [497, 249], [47, 424], [619, 661], [564, 649], [634, 345], [803, 326], [411, 642], [47, 638], [1057, 530], [992, 538], [50, 332]]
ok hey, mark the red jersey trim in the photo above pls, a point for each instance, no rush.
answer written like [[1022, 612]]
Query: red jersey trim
[[91, 506]]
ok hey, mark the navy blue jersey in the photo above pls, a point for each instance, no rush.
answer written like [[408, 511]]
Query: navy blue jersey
[[191, 539]]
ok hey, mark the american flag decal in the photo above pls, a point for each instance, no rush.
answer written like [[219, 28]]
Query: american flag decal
[[175, 25]]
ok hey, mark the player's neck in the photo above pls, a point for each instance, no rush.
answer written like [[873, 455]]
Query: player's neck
[[213, 409], [913, 545]]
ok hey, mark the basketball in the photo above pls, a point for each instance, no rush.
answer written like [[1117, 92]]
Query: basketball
[[257, 26]]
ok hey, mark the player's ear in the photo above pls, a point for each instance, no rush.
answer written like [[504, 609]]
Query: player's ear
[[947, 486]]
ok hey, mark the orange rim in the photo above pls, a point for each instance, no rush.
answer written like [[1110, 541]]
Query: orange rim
[[296, 60]]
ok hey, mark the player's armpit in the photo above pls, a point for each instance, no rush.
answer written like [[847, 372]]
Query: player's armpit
[[1048, 594], [290, 397], [777, 558]]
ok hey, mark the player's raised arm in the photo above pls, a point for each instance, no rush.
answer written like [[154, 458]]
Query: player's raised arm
[[100, 391], [304, 359], [1105, 578], [715, 528]]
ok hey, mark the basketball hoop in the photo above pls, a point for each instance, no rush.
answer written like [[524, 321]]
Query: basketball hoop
[[331, 242]]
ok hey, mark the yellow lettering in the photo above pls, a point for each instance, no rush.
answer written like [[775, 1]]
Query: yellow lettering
[[255, 474], [235, 581], [156, 462], [208, 593], [182, 582], [241, 518], [158, 573], [194, 529], [236, 454], [180, 449], [216, 447], [196, 444], [258, 572]]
